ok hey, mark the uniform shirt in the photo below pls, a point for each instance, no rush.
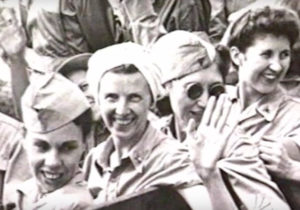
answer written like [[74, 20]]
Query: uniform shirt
[[155, 160], [246, 173], [74, 195], [145, 21], [13, 159], [63, 28], [276, 115]]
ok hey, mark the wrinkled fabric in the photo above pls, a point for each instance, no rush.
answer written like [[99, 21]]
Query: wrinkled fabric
[[73, 196], [44, 106], [276, 115], [219, 16], [154, 161], [246, 173], [123, 54], [168, 51], [12, 156], [63, 28], [145, 21]]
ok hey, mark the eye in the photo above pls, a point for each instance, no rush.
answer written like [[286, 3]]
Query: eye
[[41, 146], [285, 54], [135, 98], [194, 91], [68, 146], [83, 87], [267, 54], [216, 89], [111, 97]]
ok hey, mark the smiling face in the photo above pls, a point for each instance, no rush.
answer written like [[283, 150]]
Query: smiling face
[[124, 100], [183, 106], [54, 156], [264, 64], [79, 78]]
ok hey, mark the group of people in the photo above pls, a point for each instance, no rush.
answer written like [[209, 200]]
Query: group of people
[[133, 95]]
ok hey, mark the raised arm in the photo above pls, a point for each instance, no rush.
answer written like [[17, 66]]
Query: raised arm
[[12, 46], [206, 145]]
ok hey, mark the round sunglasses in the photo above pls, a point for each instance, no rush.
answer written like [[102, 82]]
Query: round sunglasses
[[196, 90]]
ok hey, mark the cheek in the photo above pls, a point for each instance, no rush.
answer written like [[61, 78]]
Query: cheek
[[180, 104], [36, 160], [105, 109]]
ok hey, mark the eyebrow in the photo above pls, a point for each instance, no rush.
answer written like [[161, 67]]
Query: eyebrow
[[69, 143]]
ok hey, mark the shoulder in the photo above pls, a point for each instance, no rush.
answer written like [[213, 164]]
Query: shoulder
[[10, 136], [75, 194], [170, 151], [9, 122]]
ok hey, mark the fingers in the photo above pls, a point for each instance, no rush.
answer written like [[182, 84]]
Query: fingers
[[217, 113], [191, 127], [208, 111], [226, 108]]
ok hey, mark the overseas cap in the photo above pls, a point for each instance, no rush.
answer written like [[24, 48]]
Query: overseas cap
[[50, 102], [180, 53]]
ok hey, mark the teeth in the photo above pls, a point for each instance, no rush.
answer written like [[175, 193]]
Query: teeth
[[52, 176], [270, 76], [123, 121]]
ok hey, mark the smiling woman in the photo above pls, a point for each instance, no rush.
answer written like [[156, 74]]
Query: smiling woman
[[54, 143], [261, 39]]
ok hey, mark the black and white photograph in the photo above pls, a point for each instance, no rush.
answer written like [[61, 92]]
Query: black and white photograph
[[150, 105]]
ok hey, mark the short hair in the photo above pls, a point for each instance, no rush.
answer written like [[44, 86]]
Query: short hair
[[84, 122], [222, 60], [278, 21]]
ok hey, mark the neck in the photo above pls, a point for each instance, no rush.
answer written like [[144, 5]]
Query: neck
[[248, 95], [124, 145]]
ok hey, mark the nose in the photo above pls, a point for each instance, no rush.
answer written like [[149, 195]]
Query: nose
[[202, 100], [52, 159], [122, 107], [276, 65]]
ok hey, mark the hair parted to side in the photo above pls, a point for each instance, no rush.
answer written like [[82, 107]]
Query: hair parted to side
[[279, 21]]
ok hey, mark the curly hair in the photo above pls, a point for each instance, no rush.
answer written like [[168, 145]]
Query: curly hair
[[278, 21]]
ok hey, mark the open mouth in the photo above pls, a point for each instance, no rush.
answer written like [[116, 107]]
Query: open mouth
[[52, 176], [123, 121], [270, 76]]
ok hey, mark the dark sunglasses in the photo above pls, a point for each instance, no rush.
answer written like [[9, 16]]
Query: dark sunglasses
[[196, 90]]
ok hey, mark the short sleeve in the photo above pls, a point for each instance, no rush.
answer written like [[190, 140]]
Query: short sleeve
[[177, 169], [10, 137]]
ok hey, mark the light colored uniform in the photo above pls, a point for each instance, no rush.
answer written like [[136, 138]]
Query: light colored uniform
[[155, 160], [13, 159], [276, 115], [246, 173], [73, 195]]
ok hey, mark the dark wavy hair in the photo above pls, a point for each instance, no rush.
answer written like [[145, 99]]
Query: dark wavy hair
[[278, 21]]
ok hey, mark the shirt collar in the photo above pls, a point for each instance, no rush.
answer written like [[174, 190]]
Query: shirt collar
[[267, 106], [138, 153], [30, 187]]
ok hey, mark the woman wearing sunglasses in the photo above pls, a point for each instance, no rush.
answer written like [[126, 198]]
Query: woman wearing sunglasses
[[192, 72], [261, 41]]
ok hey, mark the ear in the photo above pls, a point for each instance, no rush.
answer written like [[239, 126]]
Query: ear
[[236, 56]]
